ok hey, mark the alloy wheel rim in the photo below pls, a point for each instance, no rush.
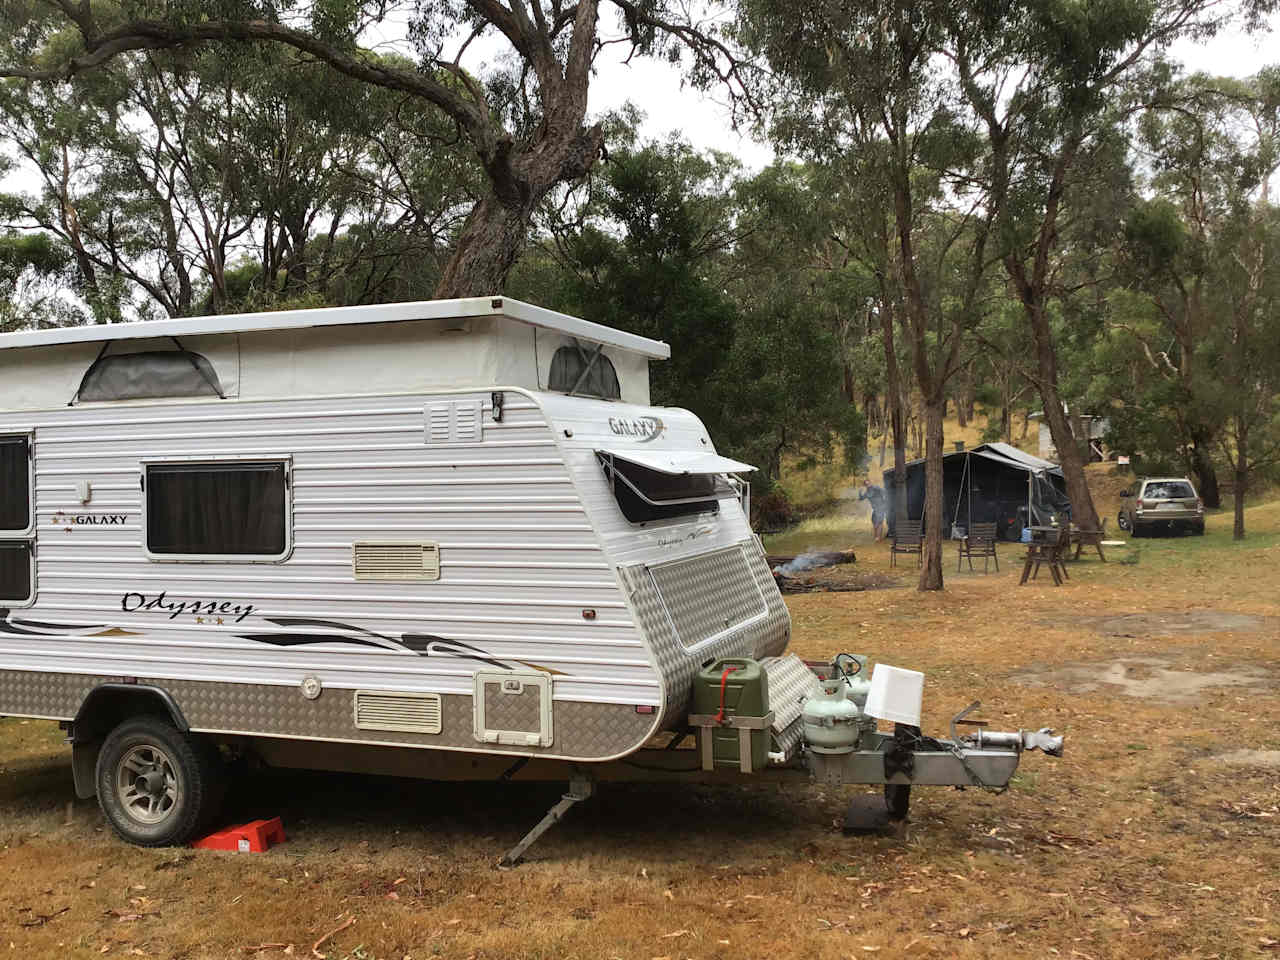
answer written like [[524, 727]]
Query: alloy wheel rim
[[147, 784]]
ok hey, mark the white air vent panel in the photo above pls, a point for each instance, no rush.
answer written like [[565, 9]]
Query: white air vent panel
[[398, 712], [454, 422], [395, 561]]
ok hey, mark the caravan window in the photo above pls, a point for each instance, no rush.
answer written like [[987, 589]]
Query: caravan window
[[232, 508], [15, 484], [645, 494], [568, 365], [15, 571]]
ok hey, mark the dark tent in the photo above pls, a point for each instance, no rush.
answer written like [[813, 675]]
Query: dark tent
[[993, 482]]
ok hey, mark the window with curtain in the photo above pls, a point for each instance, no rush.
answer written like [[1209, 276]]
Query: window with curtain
[[15, 483], [217, 509]]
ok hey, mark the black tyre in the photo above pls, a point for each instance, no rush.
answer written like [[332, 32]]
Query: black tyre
[[1122, 520], [158, 787]]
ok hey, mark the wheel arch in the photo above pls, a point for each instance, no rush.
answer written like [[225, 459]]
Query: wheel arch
[[105, 707]]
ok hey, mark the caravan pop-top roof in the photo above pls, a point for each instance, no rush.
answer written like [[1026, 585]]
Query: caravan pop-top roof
[[478, 342], [345, 316]]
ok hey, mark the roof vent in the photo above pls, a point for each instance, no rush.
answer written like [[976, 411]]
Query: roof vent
[[398, 712], [395, 561]]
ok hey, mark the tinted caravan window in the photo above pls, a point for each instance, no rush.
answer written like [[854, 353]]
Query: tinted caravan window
[[15, 483], [15, 571], [567, 367], [645, 494], [217, 509]]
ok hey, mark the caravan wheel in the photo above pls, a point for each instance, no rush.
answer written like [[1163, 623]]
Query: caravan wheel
[[156, 785]]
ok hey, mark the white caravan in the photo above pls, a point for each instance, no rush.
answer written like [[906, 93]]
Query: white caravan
[[439, 539]]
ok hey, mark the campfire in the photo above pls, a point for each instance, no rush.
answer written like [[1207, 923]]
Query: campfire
[[789, 572]]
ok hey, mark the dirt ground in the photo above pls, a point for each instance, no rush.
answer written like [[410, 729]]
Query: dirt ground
[[1157, 835]]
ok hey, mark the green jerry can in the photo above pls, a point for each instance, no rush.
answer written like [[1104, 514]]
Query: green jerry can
[[733, 687]]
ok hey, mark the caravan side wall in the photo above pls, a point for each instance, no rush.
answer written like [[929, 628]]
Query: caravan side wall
[[233, 641], [597, 625]]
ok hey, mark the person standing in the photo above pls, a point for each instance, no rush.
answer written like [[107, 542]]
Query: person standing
[[876, 497]]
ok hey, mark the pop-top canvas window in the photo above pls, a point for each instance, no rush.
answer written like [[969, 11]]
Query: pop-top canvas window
[[584, 372], [15, 483], [150, 375], [15, 571], [217, 509]]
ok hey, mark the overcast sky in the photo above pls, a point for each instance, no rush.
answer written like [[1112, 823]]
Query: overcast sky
[[655, 88]]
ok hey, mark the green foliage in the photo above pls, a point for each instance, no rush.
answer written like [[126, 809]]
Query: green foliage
[[672, 244]]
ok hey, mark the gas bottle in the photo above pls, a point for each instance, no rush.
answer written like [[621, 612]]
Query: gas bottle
[[857, 683], [830, 719]]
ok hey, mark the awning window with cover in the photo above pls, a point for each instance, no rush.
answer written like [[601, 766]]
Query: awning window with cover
[[663, 484]]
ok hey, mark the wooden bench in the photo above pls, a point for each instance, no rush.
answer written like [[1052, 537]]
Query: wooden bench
[[908, 537], [981, 542], [1089, 538]]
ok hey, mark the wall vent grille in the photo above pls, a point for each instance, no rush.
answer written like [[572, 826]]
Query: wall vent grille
[[454, 422], [398, 712], [396, 561]]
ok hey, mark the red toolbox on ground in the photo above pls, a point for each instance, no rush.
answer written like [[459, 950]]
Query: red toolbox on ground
[[252, 837]]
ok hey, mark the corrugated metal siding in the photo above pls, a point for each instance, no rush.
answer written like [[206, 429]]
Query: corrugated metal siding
[[519, 559]]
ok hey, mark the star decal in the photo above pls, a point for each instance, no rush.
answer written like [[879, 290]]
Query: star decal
[[199, 619]]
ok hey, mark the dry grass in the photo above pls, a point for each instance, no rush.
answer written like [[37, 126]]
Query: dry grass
[[1141, 842]]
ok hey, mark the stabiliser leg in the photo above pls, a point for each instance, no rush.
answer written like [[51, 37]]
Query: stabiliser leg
[[580, 789]]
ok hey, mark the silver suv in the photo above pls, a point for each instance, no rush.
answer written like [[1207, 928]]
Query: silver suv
[[1161, 503]]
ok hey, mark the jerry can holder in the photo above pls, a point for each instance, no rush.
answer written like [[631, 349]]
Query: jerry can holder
[[705, 723]]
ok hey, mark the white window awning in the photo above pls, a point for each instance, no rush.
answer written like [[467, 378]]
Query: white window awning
[[677, 462]]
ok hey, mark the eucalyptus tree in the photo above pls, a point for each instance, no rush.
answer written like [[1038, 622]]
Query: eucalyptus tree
[[1049, 84], [33, 271], [1198, 315], [171, 171], [525, 122], [862, 79]]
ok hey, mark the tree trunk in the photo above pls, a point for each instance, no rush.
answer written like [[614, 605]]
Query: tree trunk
[[1237, 496], [488, 245], [931, 559], [893, 398], [1083, 512], [1240, 482], [1206, 476]]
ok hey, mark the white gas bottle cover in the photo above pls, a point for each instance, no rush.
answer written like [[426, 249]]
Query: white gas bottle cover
[[896, 694]]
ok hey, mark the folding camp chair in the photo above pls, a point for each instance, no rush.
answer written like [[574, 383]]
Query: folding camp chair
[[908, 537], [981, 542]]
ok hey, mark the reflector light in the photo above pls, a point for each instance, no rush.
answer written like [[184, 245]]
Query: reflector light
[[644, 708]]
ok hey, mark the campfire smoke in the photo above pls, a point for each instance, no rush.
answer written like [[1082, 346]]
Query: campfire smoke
[[811, 561]]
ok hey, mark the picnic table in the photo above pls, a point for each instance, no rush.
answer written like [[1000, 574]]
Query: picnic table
[[1081, 538], [1048, 545]]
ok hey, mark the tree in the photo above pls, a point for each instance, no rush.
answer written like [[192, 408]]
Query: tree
[[185, 175], [672, 244], [1200, 280], [1049, 83], [865, 75], [525, 125], [31, 270]]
